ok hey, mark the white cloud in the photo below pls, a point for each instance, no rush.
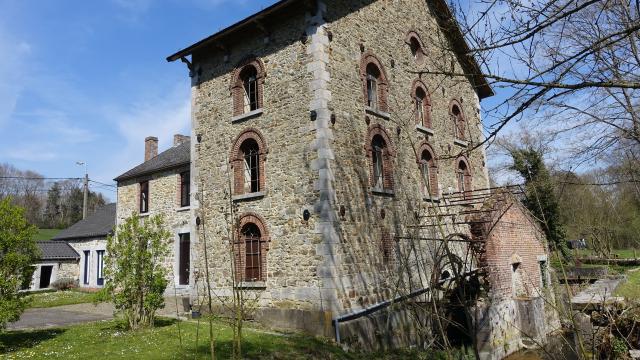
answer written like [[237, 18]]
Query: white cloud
[[160, 116], [34, 152], [11, 72]]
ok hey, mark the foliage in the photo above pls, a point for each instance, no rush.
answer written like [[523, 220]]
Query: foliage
[[60, 298], [540, 196], [134, 272], [65, 284], [18, 251]]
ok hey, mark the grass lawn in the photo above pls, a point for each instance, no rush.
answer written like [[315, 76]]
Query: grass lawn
[[59, 298], [631, 288], [46, 234], [107, 340], [621, 253]]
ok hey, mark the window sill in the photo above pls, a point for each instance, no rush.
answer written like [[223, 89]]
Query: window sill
[[376, 112], [434, 199], [247, 197], [460, 143], [184, 208], [251, 285], [424, 129], [246, 116], [383, 192]]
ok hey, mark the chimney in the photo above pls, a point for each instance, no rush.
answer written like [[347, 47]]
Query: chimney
[[150, 147], [180, 139]]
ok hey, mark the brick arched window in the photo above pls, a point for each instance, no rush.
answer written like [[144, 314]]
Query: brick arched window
[[463, 176], [247, 160], [247, 86], [381, 152], [422, 104], [415, 46], [251, 246], [428, 170], [458, 120], [374, 82]]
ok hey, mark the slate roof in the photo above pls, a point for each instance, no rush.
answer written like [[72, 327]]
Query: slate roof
[[98, 224], [57, 250], [168, 159]]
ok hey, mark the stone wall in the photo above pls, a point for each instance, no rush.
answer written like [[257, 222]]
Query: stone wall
[[315, 126], [91, 245], [164, 200], [370, 28]]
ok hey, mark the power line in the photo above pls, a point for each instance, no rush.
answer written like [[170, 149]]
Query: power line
[[98, 182], [35, 178]]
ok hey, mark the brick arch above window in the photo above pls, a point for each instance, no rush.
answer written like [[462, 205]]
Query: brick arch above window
[[248, 172], [423, 149], [458, 119], [256, 219], [412, 39], [241, 92], [422, 103], [370, 62]]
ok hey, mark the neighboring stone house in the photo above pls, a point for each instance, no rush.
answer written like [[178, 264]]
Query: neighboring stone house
[[88, 237], [161, 186], [57, 261], [312, 119]]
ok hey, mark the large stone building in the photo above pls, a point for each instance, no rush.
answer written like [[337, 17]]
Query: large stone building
[[161, 186], [323, 139]]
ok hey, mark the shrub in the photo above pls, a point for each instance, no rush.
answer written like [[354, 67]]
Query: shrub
[[134, 271], [65, 284]]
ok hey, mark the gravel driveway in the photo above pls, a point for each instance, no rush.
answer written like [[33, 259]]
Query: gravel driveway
[[62, 316]]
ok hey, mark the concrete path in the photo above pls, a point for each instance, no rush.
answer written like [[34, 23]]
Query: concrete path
[[598, 293], [62, 316], [46, 318]]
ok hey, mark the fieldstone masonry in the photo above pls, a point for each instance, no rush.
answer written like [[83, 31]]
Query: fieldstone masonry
[[315, 132]]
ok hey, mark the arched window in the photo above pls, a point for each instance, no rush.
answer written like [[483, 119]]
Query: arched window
[[251, 249], [380, 152], [249, 77], [415, 45], [428, 170], [375, 83], [248, 159], [422, 104], [463, 175], [247, 86], [251, 158], [378, 147], [457, 117], [253, 259]]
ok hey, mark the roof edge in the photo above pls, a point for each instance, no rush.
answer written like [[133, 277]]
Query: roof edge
[[129, 177], [230, 29]]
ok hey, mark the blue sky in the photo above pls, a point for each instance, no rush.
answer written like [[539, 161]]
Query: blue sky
[[88, 80]]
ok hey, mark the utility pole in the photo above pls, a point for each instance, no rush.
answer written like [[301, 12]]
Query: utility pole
[[85, 198]]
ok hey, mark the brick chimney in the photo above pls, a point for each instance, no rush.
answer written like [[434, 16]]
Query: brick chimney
[[150, 147], [180, 139]]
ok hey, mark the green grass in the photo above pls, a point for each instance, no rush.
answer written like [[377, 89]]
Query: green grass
[[46, 234], [107, 340], [59, 298], [631, 288], [621, 253]]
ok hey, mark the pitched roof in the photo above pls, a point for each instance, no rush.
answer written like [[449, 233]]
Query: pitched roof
[[57, 250], [168, 159], [99, 224], [444, 16]]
